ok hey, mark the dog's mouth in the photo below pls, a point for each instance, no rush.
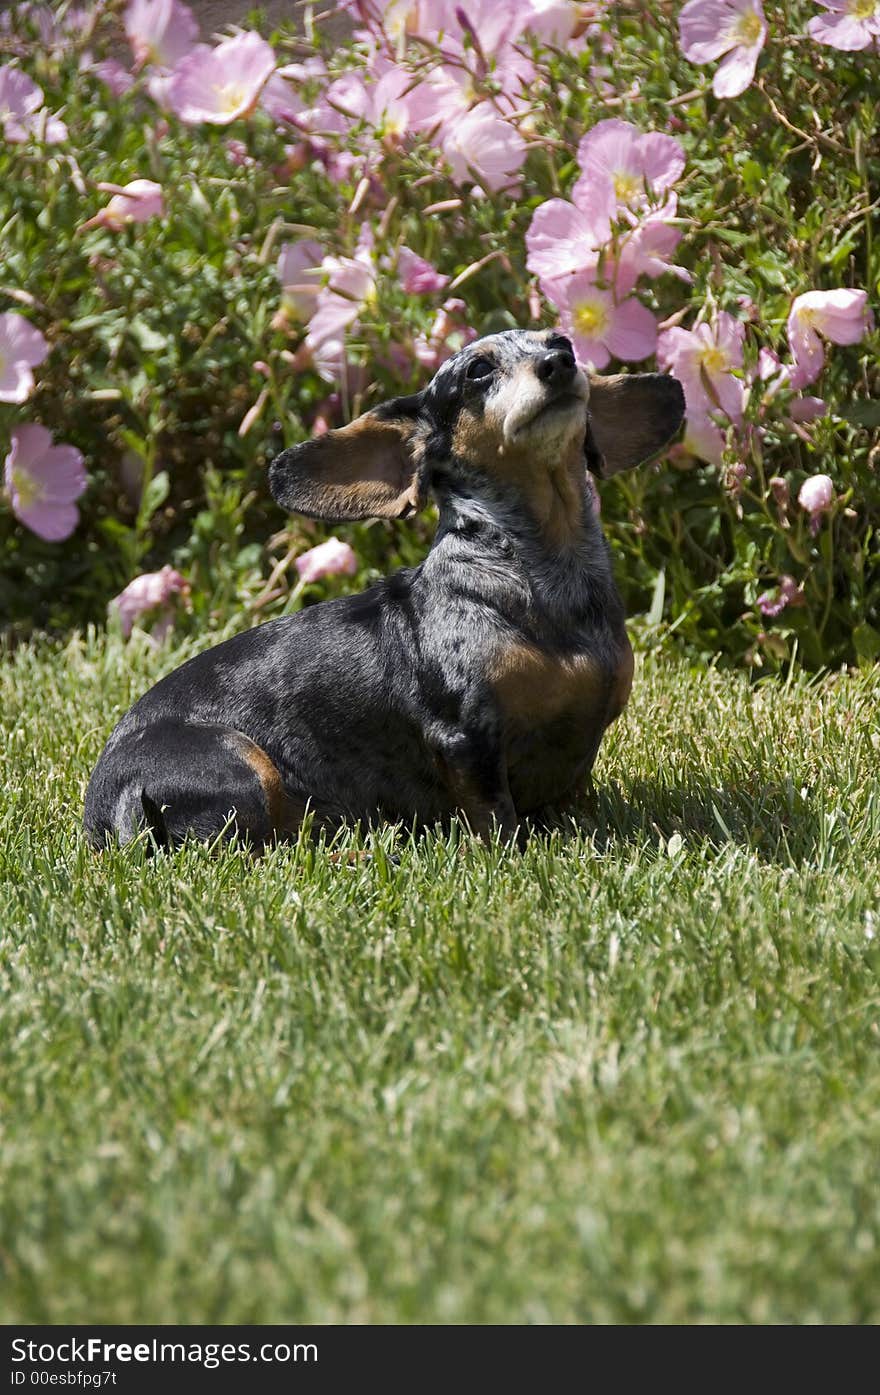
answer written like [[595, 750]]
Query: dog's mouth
[[565, 401]]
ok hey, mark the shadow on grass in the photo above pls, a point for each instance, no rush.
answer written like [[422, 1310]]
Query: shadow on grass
[[776, 821]]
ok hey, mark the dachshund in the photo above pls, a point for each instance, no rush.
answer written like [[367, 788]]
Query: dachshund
[[478, 683]]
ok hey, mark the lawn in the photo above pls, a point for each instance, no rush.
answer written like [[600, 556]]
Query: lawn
[[629, 1075]]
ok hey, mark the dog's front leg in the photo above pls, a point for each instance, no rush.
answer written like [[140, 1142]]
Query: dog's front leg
[[474, 770]]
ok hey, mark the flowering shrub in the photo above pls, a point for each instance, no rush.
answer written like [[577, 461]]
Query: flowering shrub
[[214, 246]]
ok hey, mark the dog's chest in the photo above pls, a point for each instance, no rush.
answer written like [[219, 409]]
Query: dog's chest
[[554, 709]]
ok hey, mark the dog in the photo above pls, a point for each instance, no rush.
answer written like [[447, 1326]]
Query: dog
[[477, 684]]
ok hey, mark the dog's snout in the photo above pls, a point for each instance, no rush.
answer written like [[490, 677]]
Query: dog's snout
[[556, 367]]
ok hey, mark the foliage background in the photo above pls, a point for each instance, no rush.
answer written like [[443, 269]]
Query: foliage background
[[155, 330]]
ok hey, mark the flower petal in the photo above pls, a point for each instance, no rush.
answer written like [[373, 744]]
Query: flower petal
[[633, 332], [734, 75]]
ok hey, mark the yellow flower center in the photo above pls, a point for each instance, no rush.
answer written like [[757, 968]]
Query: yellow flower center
[[230, 95], [591, 319], [626, 186], [748, 28], [862, 9], [394, 124], [714, 360], [469, 89], [29, 490]]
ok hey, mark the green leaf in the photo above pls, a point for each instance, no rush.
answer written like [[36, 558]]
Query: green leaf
[[154, 496], [866, 641], [753, 176]]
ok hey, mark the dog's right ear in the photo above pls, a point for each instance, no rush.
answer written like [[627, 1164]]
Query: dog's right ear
[[368, 469]]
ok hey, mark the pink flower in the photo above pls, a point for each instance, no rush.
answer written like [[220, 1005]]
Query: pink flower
[[22, 347], [113, 75], [703, 360], [133, 203], [482, 147], [393, 109], [40, 16], [238, 153], [46, 127], [631, 160], [598, 325], [19, 100], [781, 493], [842, 316], [220, 84], [482, 37], [450, 319], [644, 249], [56, 33], [418, 277], [552, 20], [147, 592], [816, 497], [330, 558], [299, 271], [449, 333], [350, 286], [773, 603], [325, 117], [22, 113], [160, 31], [805, 409], [43, 481], [350, 279], [851, 24], [400, 17], [772, 371], [710, 28], [702, 437], [279, 99], [563, 239], [350, 96], [306, 70]]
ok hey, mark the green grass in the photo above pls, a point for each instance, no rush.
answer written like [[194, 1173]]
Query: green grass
[[630, 1075]]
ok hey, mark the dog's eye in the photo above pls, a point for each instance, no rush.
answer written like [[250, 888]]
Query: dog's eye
[[479, 368]]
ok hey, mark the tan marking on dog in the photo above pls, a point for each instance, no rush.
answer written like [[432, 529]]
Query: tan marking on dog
[[551, 490], [282, 809], [623, 680], [533, 687]]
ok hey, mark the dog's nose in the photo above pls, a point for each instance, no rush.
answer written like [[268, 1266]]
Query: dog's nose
[[556, 367]]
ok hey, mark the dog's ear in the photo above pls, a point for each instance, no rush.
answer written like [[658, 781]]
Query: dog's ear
[[368, 469], [632, 416]]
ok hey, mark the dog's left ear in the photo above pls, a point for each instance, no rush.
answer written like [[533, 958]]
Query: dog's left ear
[[368, 469], [632, 416]]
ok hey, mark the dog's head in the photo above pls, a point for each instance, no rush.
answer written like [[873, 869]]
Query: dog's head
[[513, 409]]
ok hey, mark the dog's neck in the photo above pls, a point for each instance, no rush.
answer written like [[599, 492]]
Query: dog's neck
[[488, 529]]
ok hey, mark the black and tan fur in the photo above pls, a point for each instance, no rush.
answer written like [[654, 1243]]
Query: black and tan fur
[[478, 683]]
